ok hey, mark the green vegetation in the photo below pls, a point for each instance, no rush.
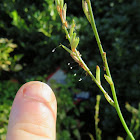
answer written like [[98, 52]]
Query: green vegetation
[[8, 91], [36, 30], [7, 62], [75, 54]]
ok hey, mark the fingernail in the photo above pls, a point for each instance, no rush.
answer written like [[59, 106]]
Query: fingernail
[[38, 91]]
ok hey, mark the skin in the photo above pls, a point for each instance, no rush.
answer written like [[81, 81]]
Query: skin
[[33, 113]]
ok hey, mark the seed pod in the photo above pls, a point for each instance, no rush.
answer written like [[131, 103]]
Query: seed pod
[[84, 5], [108, 98], [98, 74], [85, 9], [108, 79]]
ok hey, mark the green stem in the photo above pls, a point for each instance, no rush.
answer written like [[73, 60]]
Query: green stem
[[66, 31], [96, 117], [119, 112], [88, 70], [97, 37], [103, 54], [95, 80]]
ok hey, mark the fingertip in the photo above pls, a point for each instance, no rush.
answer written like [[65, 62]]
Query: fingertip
[[31, 90], [35, 103]]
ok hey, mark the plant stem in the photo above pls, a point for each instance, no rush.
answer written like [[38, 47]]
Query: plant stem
[[119, 112], [103, 54], [96, 117], [95, 80], [108, 98], [66, 31], [97, 37]]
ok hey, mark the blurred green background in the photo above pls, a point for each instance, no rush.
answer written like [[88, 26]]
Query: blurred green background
[[31, 29]]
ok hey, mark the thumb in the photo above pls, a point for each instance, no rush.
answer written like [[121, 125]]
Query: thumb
[[33, 114]]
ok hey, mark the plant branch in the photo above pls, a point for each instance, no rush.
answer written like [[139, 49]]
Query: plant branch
[[74, 41], [103, 55]]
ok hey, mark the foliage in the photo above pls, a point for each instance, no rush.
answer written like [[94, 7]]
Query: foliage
[[7, 62], [8, 90], [34, 29]]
